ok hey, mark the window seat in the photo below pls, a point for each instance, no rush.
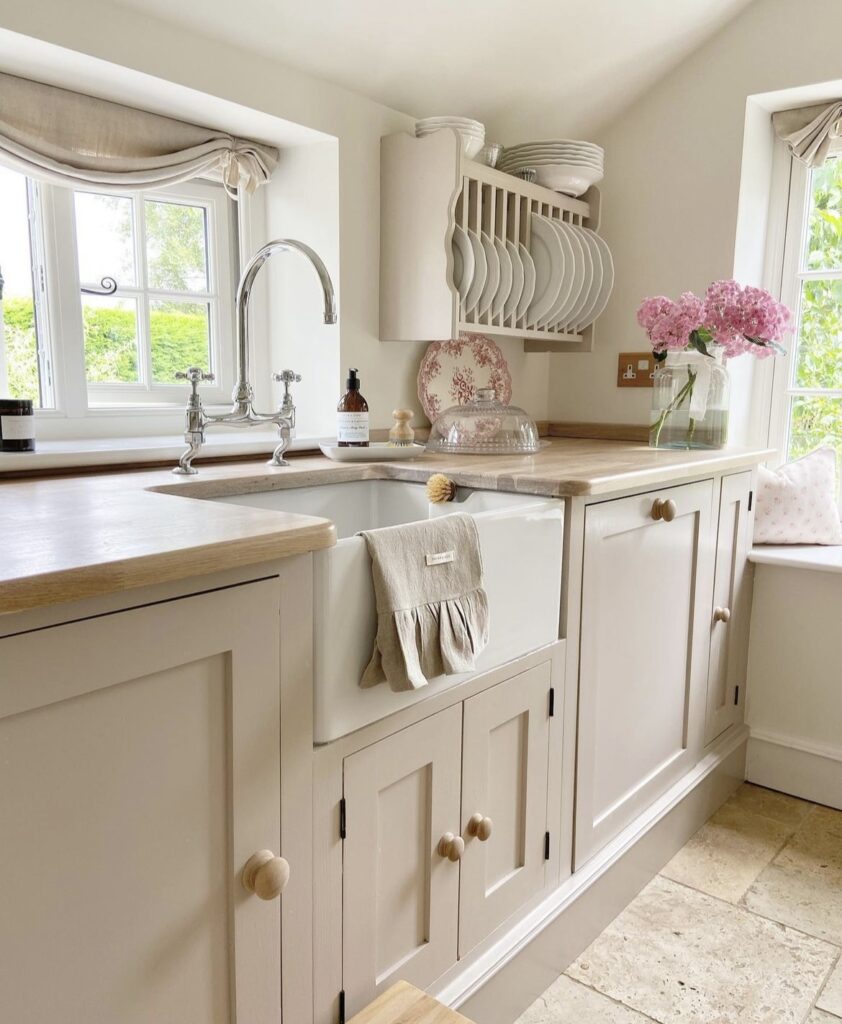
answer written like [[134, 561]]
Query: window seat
[[822, 558]]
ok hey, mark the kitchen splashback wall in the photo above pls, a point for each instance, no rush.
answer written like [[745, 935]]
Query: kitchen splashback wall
[[673, 163], [122, 37]]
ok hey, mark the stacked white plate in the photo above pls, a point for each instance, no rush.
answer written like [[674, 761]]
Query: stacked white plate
[[471, 132], [574, 276], [564, 165], [494, 278]]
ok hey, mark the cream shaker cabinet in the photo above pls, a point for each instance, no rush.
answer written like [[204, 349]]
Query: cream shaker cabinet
[[445, 834], [505, 749], [646, 605], [141, 771], [731, 610]]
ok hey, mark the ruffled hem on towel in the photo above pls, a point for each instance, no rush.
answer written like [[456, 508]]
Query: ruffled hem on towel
[[428, 641]]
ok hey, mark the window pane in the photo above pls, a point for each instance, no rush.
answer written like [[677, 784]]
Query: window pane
[[110, 340], [816, 421], [176, 246], [819, 354], [180, 338], [105, 238], [19, 370], [824, 229]]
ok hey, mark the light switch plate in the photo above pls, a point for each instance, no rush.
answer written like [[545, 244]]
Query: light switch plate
[[636, 370]]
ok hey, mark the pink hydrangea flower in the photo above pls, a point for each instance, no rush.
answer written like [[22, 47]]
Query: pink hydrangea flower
[[738, 319], [669, 324]]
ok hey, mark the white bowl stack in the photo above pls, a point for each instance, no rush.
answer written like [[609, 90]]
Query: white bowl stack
[[471, 132], [563, 165]]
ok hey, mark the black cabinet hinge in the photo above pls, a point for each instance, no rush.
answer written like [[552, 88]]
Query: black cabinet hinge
[[552, 701], [750, 499], [546, 846], [342, 999], [342, 823]]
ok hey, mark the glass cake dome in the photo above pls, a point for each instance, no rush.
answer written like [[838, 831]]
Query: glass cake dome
[[484, 426]]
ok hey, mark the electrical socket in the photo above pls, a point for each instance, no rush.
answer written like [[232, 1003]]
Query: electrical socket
[[636, 370]]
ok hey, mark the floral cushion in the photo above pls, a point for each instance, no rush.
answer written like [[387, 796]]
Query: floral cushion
[[797, 503]]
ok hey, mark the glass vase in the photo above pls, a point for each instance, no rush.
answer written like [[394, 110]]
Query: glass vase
[[690, 401]]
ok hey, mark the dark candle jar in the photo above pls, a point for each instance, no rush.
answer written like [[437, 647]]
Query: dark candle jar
[[17, 425]]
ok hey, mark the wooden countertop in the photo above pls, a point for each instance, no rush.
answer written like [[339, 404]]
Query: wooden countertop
[[66, 538]]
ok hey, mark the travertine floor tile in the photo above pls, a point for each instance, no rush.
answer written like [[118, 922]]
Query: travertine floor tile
[[802, 887], [820, 1017], [726, 855], [831, 997], [678, 955], [568, 1002], [788, 810]]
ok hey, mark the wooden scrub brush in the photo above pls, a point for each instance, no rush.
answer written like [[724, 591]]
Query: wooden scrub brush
[[440, 488]]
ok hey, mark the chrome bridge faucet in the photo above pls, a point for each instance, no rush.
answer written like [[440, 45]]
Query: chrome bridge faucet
[[242, 412]]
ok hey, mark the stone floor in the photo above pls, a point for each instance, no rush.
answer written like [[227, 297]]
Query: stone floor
[[743, 926]]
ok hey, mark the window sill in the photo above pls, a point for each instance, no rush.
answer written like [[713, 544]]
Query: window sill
[[820, 558], [110, 451]]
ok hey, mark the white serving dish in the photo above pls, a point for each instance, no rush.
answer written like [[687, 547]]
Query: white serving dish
[[548, 256], [477, 283], [463, 262], [506, 272], [492, 280], [378, 451], [471, 133], [571, 179], [523, 591], [607, 282]]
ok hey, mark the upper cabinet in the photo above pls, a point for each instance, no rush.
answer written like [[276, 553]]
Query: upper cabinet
[[441, 212]]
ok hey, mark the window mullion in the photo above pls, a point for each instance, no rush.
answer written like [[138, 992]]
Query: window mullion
[[144, 327], [62, 269]]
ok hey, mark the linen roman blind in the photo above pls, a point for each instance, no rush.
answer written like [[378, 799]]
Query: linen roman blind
[[812, 134], [69, 138]]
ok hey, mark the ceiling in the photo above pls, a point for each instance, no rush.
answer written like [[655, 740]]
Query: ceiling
[[529, 69]]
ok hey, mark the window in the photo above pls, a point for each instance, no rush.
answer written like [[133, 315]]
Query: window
[[107, 295], [807, 387]]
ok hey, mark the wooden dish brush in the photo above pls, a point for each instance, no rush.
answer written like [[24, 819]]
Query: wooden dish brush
[[440, 488]]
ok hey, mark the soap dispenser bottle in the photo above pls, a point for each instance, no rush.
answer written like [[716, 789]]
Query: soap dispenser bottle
[[352, 415]]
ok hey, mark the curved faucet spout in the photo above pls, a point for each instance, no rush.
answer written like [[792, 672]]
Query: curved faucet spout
[[243, 392]]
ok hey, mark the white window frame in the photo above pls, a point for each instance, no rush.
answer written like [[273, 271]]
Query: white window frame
[[82, 409], [791, 205]]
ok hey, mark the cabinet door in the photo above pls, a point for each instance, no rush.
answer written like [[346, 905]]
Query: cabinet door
[[400, 896], [646, 593], [141, 769], [731, 608], [505, 750]]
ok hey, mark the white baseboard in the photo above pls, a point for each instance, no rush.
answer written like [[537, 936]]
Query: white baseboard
[[499, 986], [792, 766]]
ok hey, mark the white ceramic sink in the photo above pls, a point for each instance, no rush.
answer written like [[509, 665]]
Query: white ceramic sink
[[521, 539]]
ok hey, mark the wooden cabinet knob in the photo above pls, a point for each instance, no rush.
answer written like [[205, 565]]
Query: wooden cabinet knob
[[266, 875], [480, 826], [664, 508], [451, 846], [721, 614]]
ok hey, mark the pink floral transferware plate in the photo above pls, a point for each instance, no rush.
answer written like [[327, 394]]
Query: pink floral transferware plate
[[451, 372]]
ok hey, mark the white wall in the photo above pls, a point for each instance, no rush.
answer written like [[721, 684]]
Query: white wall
[[673, 178], [130, 40]]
